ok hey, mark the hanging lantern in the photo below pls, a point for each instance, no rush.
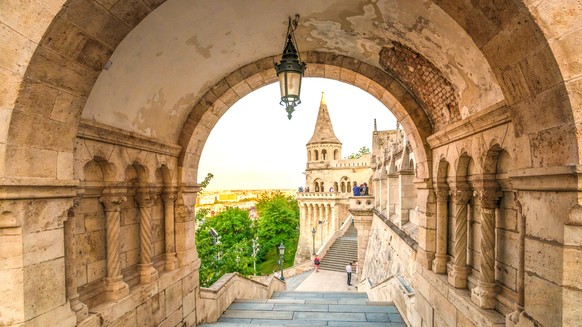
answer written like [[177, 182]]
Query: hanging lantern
[[290, 70]]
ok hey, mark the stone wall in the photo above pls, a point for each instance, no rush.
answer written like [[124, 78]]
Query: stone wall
[[390, 263]]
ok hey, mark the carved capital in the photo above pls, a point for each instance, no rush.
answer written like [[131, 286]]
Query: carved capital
[[461, 196], [112, 203], [488, 198], [442, 194], [145, 199], [169, 198]]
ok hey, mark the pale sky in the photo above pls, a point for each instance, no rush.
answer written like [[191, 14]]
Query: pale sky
[[255, 146]]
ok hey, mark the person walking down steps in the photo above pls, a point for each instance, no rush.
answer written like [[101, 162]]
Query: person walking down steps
[[349, 271], [316, 263]]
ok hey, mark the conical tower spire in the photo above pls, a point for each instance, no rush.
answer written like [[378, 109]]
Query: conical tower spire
[[323, 132]]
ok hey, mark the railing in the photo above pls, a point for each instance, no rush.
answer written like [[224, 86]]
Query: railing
[[405, 237], [215, 299], [319, 195], [338, 233]]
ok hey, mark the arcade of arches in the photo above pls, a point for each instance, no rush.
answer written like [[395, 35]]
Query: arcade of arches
[[105, 106]]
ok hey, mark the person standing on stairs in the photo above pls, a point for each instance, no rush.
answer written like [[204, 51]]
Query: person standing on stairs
[[349, 271], [316, 263]]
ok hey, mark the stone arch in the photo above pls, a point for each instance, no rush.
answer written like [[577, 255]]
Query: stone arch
[[386, 88], [519, 78]]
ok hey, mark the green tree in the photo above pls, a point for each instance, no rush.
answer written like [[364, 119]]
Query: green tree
[[230, 251], [205, 182], [278, 222], [362, 151]]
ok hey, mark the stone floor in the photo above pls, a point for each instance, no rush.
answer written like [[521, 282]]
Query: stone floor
[[313, 299], [322, 281]]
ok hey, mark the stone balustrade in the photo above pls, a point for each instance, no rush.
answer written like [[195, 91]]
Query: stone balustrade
[[217, 298]]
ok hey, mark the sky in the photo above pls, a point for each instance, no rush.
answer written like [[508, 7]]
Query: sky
[[255, 146]]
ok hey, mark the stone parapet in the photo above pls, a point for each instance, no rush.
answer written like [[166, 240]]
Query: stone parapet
[[217, 298]]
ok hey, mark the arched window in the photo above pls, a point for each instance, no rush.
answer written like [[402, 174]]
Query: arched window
[[335, 154], [309, 155], [323, 154], [316, 155]]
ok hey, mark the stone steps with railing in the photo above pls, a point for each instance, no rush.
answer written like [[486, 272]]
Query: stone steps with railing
[[341, 252]]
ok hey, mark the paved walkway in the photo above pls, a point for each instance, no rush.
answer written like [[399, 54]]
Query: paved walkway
[[322, 281]]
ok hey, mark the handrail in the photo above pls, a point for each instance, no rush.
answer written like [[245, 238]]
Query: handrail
[[405, 237], [337, 234], [215, 299]]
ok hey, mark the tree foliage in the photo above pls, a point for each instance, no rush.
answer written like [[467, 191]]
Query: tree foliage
[[279, 220], [206, 181], [231, 250], [362, 151]]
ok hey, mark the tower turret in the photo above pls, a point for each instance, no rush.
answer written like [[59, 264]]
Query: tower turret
[[323, 145]]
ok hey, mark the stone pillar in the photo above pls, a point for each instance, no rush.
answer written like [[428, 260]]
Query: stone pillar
[[147, 272], [363, 224], [309, 220], [378, 193], [484, 294], [334, 218], [407, 195], [458, 276], [169, 199], [392, 194], [115, 287], [442, 214], [327, 218], [78, 307]]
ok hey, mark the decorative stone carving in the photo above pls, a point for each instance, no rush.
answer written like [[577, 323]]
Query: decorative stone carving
[[484, 294], [147, 272], [458, 276], [115, 287], [77, 306], [440, 262], [169, 199]]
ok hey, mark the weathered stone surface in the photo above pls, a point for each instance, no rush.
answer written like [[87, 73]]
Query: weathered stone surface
[[43, 246], [94, 55], [542, 299], [174, 297], [47, 278]]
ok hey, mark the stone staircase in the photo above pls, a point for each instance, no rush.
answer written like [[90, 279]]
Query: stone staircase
[[342, 251], [311, 309]]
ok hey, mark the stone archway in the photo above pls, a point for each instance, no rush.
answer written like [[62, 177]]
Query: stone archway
[[55, 53], [386, 88]]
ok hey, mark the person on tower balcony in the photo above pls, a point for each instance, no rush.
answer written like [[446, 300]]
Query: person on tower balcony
[[364, 189], [356, 190]]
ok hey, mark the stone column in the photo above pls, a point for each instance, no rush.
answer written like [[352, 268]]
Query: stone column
[[328, 224], [407, 195], [484, 294], [78, 307], [334, 218], [309, 220], [392, 194], [442, 214], [458, 276], [169, 199], [378, 193], [147, 272], [115, 287], [363, 224]]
